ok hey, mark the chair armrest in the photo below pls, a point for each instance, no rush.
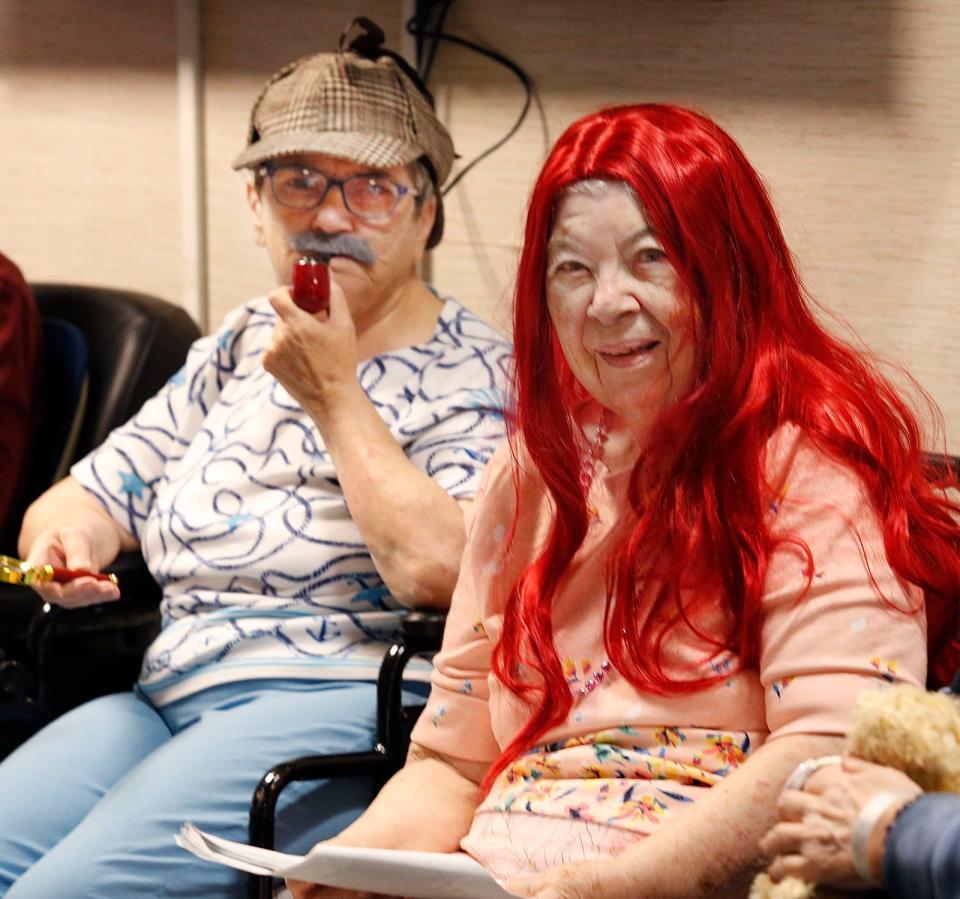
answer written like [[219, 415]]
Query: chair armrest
[[60, 639], [420, 631], [424, 627], [140, 596]]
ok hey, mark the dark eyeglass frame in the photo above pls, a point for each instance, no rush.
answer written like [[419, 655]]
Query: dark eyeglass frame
[[269, 169]]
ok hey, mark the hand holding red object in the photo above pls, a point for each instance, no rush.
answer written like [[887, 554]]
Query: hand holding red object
[[311, 285], [16, 571]]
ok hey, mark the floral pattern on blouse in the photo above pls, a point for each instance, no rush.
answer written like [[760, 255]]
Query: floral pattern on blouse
[[620, 777]]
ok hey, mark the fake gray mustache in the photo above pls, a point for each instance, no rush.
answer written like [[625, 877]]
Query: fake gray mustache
[[325, 246]]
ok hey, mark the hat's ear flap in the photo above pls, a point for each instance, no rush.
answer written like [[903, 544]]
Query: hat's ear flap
[[436, 232]]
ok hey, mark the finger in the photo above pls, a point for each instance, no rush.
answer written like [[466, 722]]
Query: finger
[[46, 550], [527, 885], [788, 866], [77, 549], [785, 839], [339, 307], [853, 763], [792, 805], [282, 302], [51, 593], [86, 591], [280, 298]]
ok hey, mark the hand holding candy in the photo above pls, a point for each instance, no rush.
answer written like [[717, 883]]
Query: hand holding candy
[[311, 285]]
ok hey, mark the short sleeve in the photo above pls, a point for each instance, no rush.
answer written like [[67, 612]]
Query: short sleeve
[[126, 470], [857, 626], [457, 720]]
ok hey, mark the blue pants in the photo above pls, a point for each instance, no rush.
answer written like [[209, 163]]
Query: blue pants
[[89, 806]]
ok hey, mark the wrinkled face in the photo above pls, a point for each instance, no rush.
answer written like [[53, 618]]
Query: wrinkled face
[[616, 304], [397, 244]]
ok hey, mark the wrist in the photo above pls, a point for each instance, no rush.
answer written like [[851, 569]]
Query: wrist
[[329, 401], [871, 828]]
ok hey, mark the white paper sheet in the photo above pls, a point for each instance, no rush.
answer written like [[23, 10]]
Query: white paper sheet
[[393, 872]]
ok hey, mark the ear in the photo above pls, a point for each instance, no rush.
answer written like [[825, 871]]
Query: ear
[[428, 213], [255, 204]]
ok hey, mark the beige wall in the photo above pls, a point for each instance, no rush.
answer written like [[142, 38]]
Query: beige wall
[[847, 108]]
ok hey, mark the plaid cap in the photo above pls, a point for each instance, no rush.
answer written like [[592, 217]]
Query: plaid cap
[[345, 105]]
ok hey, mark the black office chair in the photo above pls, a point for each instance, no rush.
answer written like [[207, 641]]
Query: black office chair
[[57, 658], [420, 632]]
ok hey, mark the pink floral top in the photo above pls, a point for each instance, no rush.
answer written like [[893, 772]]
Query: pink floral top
[[625, 762]]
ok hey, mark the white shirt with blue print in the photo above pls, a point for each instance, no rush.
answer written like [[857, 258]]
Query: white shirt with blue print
[[225, 481]]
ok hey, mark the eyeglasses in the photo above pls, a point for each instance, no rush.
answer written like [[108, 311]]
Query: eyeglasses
[[371, 197]]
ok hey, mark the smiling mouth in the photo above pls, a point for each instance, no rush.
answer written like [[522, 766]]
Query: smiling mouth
[[629, 353]]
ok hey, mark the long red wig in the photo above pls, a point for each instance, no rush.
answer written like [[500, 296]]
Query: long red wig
[[698, 493]]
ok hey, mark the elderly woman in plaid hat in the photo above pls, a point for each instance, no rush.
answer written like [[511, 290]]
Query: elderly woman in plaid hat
[[301, 480]]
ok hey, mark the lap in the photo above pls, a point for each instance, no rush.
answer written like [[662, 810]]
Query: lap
[[51, 782], [206, 773]]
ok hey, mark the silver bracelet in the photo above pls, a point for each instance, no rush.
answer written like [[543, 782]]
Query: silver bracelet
[[803, 771], [872, 811]]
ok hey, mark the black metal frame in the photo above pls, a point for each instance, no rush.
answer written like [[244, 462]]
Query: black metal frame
[[420, 632], [78, 654]]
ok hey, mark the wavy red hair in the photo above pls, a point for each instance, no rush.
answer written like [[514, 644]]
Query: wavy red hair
[[763, 360]]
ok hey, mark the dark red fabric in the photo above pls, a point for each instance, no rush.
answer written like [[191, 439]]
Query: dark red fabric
[[20, 346]]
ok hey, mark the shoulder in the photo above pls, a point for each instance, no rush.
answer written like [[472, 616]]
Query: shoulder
[[794, 461], [464, 355], [251, 314], [458, 326], [243, 328], [510, 479]]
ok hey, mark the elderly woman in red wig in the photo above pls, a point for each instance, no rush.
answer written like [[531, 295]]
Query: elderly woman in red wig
[[713, 527]]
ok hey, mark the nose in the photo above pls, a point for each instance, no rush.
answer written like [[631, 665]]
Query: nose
[[612, 298], [332, 215]]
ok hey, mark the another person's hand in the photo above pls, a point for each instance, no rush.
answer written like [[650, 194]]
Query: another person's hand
[[312, 356], [813, 839], [74, 547]]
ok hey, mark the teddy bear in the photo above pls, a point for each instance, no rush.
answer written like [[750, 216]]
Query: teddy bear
[[903, 727]]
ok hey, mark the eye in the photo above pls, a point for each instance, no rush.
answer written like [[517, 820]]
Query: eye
[[649, 256], [376, 186], [298, 179], [568, 268]]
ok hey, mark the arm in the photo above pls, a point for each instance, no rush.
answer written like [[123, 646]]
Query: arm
[[413, 528], [710, 851], [67, 526], [427, 806], [921, 858]]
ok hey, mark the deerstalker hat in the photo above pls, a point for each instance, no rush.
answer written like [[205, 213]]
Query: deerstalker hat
[[362, 103]]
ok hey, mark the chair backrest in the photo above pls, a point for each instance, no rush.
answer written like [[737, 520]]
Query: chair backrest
[[63, 401], [59, 405], [135, 342]]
